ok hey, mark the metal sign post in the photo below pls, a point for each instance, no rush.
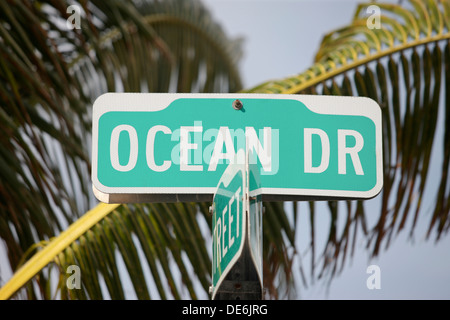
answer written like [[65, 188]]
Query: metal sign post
[[237, 233]]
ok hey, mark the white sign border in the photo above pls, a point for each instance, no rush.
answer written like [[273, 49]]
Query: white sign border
[[321, 104]]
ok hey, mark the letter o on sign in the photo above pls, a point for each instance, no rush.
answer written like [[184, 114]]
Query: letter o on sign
[[114, 148]]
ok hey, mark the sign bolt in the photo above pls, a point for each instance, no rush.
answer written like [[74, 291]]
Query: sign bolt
[[237, 104], [211, 289]]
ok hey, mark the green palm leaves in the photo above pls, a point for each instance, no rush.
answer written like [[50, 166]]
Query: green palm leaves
[[424, 22], [160, 240], [50, 76], [403, 64]]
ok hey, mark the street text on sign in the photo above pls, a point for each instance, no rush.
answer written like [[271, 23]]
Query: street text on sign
[[237, 224], [154, 147]]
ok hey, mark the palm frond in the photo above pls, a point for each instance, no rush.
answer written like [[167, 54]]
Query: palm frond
[[50, 76], [170, 46], [403, 65]]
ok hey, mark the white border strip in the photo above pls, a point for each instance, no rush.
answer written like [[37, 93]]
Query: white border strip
[[331, 105]]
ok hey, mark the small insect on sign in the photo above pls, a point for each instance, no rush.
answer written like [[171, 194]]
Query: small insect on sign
[[175, 147]]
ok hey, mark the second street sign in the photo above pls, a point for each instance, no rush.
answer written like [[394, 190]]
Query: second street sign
[[237, 231], [175, 147]]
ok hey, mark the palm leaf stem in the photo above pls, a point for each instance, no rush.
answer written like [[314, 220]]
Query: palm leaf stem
[[56, 245], [316, 79]]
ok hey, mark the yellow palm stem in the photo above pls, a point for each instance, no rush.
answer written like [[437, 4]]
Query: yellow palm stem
[[58, 244]]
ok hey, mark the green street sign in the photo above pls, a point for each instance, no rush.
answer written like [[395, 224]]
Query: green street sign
[[229, 222], [175, 147], [237, 224]]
